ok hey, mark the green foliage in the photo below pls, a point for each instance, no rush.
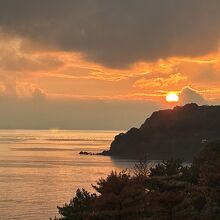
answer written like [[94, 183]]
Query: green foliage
[[168, 190], [119, 192], [167, 168], [79, 206], [208, 164], [190, 174], [114, 182], [141, 169]]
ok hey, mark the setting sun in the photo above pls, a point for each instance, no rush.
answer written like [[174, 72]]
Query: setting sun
[[172, 97]]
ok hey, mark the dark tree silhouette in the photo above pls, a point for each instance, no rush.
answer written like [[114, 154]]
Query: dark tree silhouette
[[167, 191]]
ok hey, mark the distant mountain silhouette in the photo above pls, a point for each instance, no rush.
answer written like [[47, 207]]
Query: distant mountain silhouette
[[177, 133]]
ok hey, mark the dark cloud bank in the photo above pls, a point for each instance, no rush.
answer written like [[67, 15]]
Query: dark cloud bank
[[116, 33]]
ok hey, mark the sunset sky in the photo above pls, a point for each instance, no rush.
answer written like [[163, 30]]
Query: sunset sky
[[104, 64]]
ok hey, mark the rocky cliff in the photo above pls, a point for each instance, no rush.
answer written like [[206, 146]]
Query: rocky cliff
[[177, 133]]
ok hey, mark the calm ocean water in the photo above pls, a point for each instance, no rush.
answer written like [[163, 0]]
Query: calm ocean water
[[42, 169]]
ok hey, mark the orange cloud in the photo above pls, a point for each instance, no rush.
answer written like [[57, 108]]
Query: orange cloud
[[67, 74], [160, 82]]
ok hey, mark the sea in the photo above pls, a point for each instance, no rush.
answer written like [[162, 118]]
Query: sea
[[42, 169]]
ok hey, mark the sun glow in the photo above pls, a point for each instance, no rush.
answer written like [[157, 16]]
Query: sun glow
[[172, 97]]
